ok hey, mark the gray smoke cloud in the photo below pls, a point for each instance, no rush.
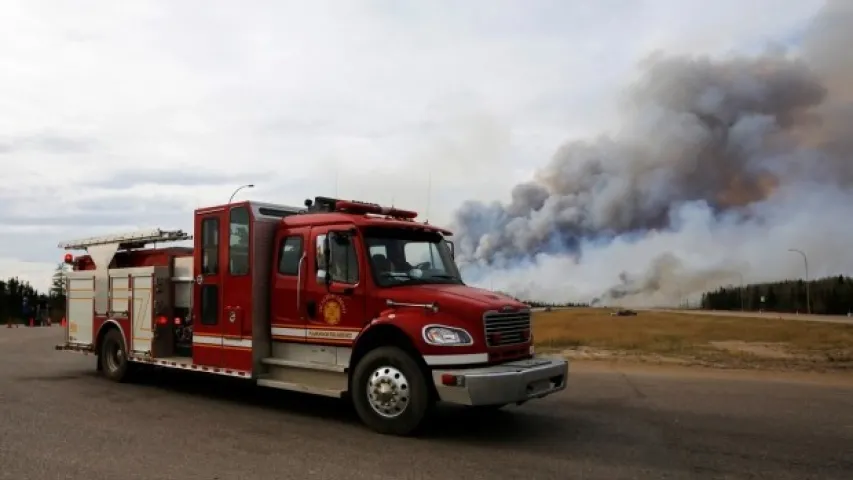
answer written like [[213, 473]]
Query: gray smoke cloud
[[720, 166]]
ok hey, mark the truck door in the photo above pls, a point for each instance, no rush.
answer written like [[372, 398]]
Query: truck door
[[335, 310], [236, 280], [291, 275], [207, 290]]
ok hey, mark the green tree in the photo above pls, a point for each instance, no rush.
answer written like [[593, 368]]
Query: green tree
[[58, 288], [831, 295]]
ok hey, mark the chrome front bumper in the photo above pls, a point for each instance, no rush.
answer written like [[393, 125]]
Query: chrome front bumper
[[511, 382]]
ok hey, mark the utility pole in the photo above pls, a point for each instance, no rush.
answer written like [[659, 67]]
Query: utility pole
[[806, 262], [741, 290]]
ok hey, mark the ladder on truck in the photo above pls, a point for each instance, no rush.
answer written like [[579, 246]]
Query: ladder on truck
[[126, 241]]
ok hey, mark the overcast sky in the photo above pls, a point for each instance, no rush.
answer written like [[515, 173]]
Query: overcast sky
[[123, 115]]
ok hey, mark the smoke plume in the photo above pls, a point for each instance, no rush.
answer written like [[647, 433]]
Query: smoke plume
[[719, 168]]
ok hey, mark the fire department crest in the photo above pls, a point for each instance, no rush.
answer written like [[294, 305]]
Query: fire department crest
[[332, 309]]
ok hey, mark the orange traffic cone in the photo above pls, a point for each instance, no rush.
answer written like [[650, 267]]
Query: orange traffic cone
[[62, 323]]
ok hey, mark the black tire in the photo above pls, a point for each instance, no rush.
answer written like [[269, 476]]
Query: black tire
[[112, 357], [413, 403]]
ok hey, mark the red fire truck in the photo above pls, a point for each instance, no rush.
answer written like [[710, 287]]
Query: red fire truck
[[339, 298]]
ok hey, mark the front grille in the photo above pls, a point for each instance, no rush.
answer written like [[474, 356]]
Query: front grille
[[507, 328]]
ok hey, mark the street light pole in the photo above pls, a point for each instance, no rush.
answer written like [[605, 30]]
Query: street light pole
[[741, 290], [806, 262], [238, 189]]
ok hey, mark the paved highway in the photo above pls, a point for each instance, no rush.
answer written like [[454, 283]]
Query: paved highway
[[732, 313], [772, 315], [59, 420]]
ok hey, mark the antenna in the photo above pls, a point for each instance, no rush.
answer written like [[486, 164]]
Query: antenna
[[429, 196]]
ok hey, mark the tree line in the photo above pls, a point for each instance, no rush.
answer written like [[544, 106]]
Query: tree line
[[539, 304], [20, 301], [828, 296]]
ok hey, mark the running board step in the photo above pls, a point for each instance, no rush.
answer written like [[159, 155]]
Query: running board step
[[312, 377], [280, 362], [300, 387]]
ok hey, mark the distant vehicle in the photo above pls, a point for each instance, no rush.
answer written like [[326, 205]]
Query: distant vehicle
[[623, 313]]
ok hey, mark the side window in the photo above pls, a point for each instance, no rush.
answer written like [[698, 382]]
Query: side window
[[238, 242], [289, 254], [210, 245], [343, 263]]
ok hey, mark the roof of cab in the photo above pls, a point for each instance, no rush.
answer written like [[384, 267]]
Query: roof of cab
[[333, 218]]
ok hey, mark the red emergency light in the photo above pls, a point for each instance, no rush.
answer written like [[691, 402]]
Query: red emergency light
[[358, 207], [69, 258]]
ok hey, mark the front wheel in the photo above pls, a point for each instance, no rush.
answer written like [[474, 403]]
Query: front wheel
[[390, 392]]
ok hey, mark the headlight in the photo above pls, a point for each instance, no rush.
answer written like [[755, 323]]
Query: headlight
[[446, 336]]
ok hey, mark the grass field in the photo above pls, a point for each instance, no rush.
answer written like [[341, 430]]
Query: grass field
[[685, 338]]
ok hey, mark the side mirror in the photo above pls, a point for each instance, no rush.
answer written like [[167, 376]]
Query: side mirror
[[327, 255], [452, 249], [324, 250]]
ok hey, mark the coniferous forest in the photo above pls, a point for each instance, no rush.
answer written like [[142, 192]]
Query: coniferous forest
[[19, 301], [828, 295]]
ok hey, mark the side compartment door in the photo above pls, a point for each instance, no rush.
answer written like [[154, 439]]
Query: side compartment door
[[207, 290], [288, 295]]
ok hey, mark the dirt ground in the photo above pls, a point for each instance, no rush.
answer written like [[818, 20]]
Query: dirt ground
[[687, 339]]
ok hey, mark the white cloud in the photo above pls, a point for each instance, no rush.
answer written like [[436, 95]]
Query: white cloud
[[209, 94]]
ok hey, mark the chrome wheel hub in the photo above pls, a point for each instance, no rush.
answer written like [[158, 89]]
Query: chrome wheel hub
[[115, 357], [388, 391]]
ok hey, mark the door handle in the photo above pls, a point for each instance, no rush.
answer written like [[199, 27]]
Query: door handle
[[311, 307]]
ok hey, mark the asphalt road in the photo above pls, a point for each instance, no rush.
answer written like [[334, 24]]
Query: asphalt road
[[734, 313], [770, 315], [60, 420]]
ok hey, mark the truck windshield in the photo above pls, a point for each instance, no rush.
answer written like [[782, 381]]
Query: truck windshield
[[406, 257]]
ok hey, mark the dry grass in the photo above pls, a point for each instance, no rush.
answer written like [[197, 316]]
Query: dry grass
[[713, 340]]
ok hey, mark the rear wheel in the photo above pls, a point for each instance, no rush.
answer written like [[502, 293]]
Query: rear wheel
[[112, 358], [390, 392]]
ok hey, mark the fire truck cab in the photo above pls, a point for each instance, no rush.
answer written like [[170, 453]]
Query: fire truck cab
[[336, 298]]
